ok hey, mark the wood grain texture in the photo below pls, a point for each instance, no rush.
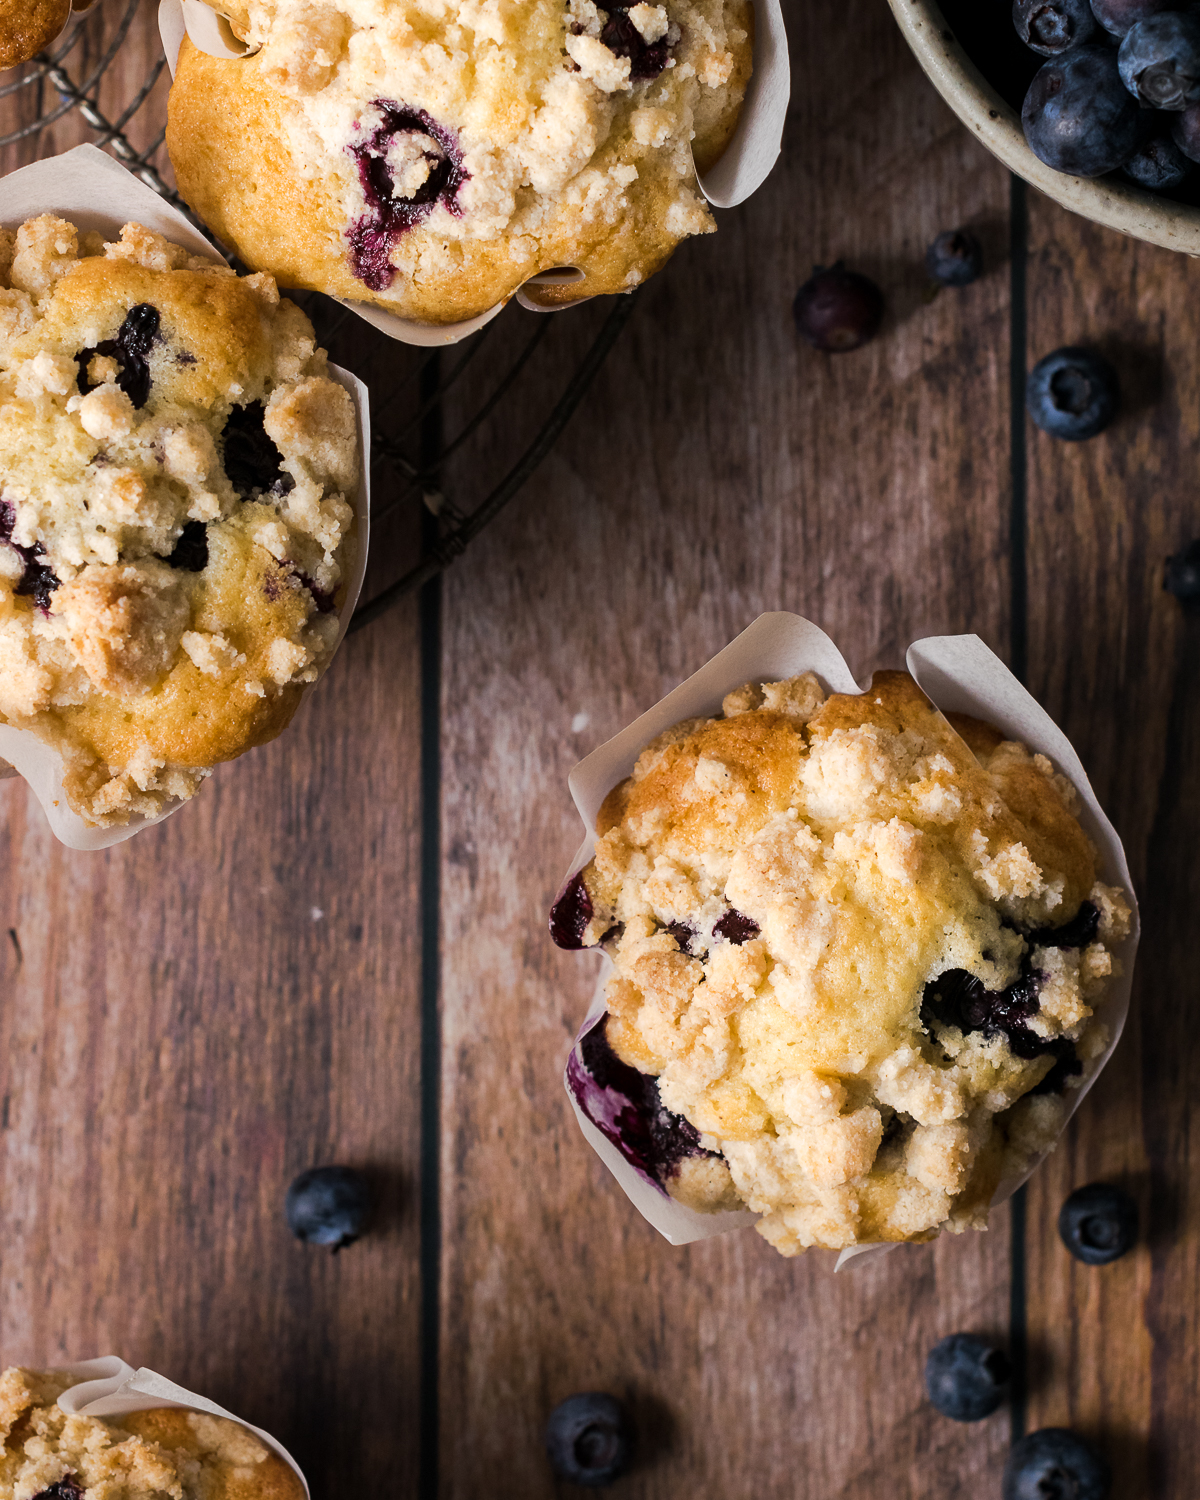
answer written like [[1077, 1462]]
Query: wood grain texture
[[718, 470], [1117, 661]]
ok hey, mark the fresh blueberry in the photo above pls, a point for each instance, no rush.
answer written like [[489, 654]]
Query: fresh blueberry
[[1098, 1223], [838, 310], [955, 258], [1185, 131], [1159, 60], [1053, 26], [1117, 16], [1078, 115], [1055, 1464], [589, 1439], [1181, 576], [966, 1377], [328, 1206], [1072, 394], [1160, 165]]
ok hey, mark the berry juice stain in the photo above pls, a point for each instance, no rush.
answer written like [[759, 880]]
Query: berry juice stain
[[390, 215]]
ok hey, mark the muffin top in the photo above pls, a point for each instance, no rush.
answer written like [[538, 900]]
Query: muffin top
[[149, 1455], [442, 153], [849, 935], [175, 521], [26, 26]]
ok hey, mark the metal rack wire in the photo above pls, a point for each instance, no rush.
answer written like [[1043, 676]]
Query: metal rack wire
[[71, 82]]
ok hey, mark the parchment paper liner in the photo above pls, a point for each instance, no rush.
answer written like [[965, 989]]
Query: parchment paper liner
[[961, 675], [741, 170], [94, 192], [111, 1388]]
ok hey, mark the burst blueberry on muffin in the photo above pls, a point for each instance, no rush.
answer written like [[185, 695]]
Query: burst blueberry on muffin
[[431, 158], [46, 1454], [859, 948], [175, 524]]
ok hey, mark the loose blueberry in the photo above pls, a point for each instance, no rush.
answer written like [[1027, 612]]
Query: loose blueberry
[[1159, 60], [252, 461], [66, 1488], [1117, 16], [966, 1377], [1181, 576], [1160, 165], [1098, 1223], [390, 215], [191, 550], [1053, 26], [838, 310], [1072, 394], [589, 1439], [131, 350], [328, 1206], [1078, 115], [955, 258], [1055, 1464], [571, 913], [621, 36], [1185, 131]]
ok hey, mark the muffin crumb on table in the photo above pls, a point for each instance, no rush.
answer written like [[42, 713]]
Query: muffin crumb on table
[[858, 947]]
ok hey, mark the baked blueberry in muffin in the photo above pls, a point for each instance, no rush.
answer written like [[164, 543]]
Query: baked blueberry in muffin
[[430, 159], [176, 527], [858, 953], [47, 1454]]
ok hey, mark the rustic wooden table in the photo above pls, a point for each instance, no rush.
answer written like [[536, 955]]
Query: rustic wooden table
[[339, 951]]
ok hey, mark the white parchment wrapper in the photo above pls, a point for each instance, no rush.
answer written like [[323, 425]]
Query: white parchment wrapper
[[742, 169], [94, 192], [961, 675], [111, 1388]]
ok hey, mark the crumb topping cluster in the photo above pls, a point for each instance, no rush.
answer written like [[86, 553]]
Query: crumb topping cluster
[[144, 1456], [860, 948], [176, 468]]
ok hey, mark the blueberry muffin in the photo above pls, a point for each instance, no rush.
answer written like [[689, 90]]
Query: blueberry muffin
[[176, 531], [149, 1455], [27, 26], [431, 157], [859, 948]]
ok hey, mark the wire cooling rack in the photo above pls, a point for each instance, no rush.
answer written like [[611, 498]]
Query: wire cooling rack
[[105, 81]]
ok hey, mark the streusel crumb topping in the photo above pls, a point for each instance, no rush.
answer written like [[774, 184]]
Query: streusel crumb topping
[[860, 947]]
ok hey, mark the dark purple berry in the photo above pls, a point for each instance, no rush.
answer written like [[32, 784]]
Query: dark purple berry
[[66, 1488], [1072, 394], [1160, 165], [735, 927], [1053, 26], [1117, 16], [191, 550], [966, 1377], [955, 258], [956, 998], [1055, 1464], [686, 937], [131, 349], [1181, 576], [389, 215], [1185, 131], [37, 581], [621, 36], [838, 310], [1159, 60], [1098, 1223], [1077, 933], [252, 461], [1078, 115], [328, 1206], [571, 913], [589, 1439]]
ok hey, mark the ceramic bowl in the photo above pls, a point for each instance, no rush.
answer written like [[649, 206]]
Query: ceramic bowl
[[945, 42]]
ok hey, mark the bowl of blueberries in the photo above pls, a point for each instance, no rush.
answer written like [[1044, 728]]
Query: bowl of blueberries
[[1094, 102]]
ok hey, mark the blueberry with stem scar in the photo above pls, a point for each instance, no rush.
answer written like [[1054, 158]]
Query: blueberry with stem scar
[[1098, 1223], [1159, 61], [1055, 1464], [1053, 26], [328, 1206], [966, 1378], [1072, 394], [955, 258], [1079, 117], [838, 310], [589, 1439]]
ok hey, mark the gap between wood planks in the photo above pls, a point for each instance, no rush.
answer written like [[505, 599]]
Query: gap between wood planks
[[431, 641]]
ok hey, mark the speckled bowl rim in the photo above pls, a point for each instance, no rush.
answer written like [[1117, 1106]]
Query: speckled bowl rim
[[1116, 205]]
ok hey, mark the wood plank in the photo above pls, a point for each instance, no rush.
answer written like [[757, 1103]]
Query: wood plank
[[716, 471], [1117, 661]]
